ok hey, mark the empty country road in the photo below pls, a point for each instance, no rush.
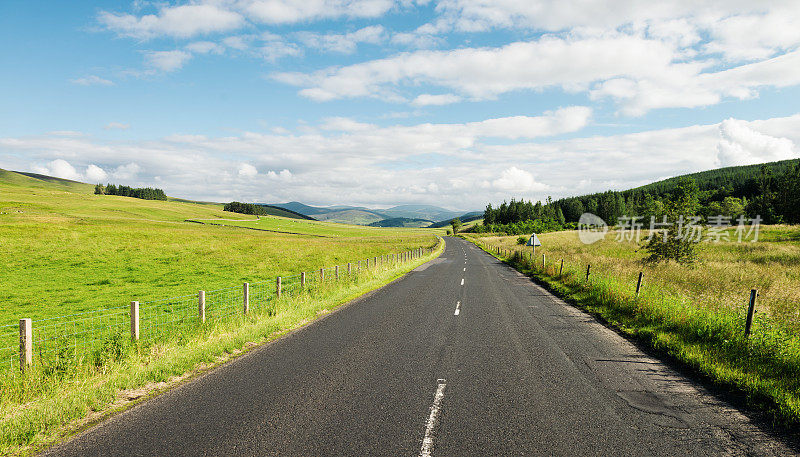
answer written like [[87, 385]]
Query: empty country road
[[462, 357]]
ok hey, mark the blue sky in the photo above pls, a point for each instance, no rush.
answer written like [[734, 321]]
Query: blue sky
[[377, 102]]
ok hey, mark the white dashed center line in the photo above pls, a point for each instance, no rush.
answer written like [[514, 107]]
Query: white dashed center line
[[458, 309], [427, 442], [462, 281]]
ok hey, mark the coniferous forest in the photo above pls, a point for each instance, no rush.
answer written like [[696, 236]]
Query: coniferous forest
[[770, 191], [145, 193]]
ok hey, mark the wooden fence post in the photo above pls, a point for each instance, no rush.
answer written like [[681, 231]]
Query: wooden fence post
[[375, 262], [588, 268], [368, 263], [201, 305], [25, 343], [349, 268], [303, 279], [321, 275], [638, 284], [246, 297], [278, 286], [135, 321], [750, 311], [336, 270], [544, 263], [561, 269]]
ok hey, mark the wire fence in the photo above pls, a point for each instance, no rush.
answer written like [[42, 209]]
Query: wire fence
[[75, 336], [9, 347], [92, 336], [157, 318]]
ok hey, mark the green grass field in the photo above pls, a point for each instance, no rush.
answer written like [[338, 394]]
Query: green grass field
[[693, 314], [66, 251], [317, 228]]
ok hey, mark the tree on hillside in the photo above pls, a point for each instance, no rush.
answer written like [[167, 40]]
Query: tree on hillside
[[677, 241], [456, 223], [788, 198], [573, 208], [488, 215], [245, 208], [731, 207], [99, 189], [763, 204]]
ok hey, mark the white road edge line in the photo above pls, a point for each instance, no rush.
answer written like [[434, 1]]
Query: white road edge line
[[458, 309], [427, 442]]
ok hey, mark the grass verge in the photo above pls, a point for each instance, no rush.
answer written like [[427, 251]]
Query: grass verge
[[39, 408], [764, 368]]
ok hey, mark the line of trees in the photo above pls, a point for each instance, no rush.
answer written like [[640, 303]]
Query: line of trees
[[145, 193], [245, 208]]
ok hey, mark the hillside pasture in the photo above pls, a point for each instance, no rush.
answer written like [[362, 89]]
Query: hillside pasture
[[67, 252]]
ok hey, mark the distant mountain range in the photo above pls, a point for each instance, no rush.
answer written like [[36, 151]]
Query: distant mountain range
[[413, 215], [402, 222]]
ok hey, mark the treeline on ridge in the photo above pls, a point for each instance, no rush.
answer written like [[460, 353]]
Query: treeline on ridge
[[770, 191], [245, 208], [260, 209], [145, 193]]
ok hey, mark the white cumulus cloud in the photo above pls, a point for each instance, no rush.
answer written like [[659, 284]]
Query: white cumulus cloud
[[516, 180], [347, 161], [292, 11], [343, 43], [435, 100], [247, 171], [95, 174], [740, 144], [167, 61], [182, 21], [59, 168]]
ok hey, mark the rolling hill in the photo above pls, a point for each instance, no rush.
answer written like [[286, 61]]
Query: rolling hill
[[402, 222], [366, 216], [37, 181], [340, 214], [739, 181], [432, 213], [468, 217], [283, 212]]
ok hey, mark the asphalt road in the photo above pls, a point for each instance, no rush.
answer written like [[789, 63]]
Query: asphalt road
[[464, 356]]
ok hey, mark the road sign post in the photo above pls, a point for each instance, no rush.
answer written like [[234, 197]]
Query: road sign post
[[533, 242]]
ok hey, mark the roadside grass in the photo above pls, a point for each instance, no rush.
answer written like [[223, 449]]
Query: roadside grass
[[49, 403], [694, 315]]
